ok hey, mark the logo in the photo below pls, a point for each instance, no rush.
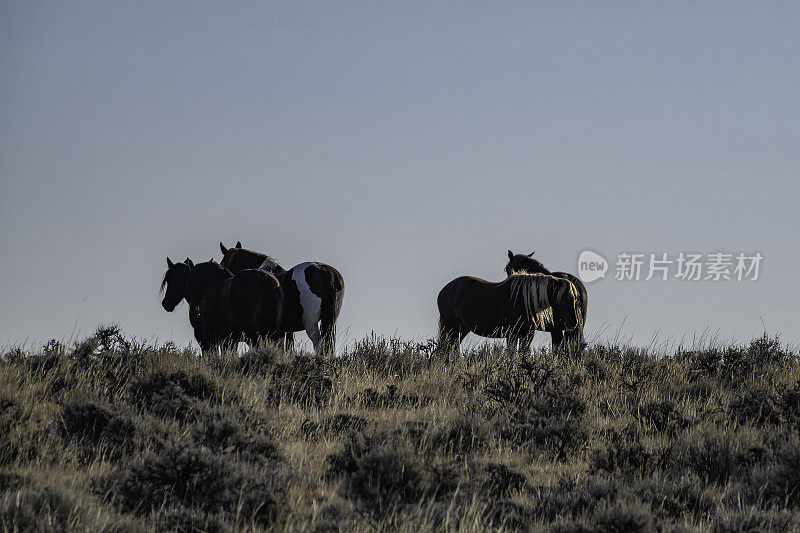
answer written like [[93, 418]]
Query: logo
[[591, 266]]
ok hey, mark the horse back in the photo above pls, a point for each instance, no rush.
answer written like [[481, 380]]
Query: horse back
[[479, 305]]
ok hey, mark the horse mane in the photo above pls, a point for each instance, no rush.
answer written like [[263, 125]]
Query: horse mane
[[163, 282], [536, 292], [530, 262], [258, 254]]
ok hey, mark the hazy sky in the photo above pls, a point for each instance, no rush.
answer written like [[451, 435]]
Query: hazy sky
[[404, 143]]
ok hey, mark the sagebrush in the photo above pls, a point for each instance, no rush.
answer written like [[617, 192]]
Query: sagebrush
[[113, 434]]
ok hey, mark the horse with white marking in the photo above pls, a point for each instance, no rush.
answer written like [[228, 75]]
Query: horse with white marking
[[513, 308], [313, 293]]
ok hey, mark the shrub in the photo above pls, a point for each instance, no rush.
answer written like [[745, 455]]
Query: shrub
[[337, 424], [663, 416], [778, 483], [185, 520], [499, 479], [194, 478], [754, 520], [42, 509], [718, 456], [303, 380], [753, 406], [464, 435], [624, 516], [221, 431], [383, 471], [96, 427], [172, 395]]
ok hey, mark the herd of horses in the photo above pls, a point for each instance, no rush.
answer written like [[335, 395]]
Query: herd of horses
[[249, 296]]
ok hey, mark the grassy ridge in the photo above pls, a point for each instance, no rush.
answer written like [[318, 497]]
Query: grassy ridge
[[110, 434]]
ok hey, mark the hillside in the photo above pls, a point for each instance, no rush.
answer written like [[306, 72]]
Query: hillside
[[112, 434]]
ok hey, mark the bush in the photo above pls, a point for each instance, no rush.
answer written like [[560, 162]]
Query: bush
[[624, 516], [754, 520], [778, 482], [663, 416], [97, 428], [196, 479], [383, 471], [464, 435], [42, 509], [303, 380], [172, 395], [753, 406], [717, 456], [221, 431]]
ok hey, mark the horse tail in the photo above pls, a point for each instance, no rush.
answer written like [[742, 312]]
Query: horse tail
[[329, 309], [578, 304]]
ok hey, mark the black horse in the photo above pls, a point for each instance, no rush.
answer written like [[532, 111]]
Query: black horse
[[176, 277], [313, 293], [224, 308], [514, 308], [525, 263]]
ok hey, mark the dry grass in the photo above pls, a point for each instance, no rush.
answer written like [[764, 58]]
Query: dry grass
[[111, 434]]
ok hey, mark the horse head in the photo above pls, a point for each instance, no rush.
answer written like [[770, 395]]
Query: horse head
[[524, 263], [176, 282]]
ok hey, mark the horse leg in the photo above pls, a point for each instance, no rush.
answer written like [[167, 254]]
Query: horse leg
[[288, 341], [557, 337], [525, 342], [282, 339], [512, 341], [312, 330], [329, 311], [450, 335]]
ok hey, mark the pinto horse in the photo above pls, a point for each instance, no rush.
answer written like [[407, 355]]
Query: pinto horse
[[513, 308], [224, 307], [525, 263], [313, 293]]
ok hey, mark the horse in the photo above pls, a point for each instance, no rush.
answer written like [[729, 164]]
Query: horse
[[229, 307], [175, 278], [513, 308], [525, 263], [313, 293]]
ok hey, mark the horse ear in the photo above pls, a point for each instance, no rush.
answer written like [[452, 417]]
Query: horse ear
[[238, 244], [531, 254], [222, 247], [170, 264], [189, 263], [510, 254]]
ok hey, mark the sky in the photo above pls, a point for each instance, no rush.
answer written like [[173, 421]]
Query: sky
[[404, 143]]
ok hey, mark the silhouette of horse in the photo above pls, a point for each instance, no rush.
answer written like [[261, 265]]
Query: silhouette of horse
[[229, 307], [513, 308], [313, 293], [175, 279], [522, 263]]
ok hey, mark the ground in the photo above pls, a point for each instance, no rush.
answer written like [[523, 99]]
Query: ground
[[113, 434]]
